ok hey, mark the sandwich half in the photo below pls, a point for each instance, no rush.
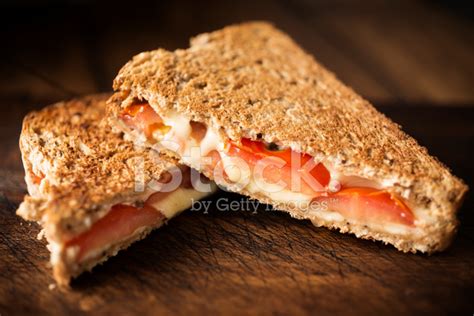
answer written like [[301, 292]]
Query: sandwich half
[[92, 192], [250, 109]]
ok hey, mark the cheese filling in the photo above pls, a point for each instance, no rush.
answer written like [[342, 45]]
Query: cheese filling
[[126, 221]]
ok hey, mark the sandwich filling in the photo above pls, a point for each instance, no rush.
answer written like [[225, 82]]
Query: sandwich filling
[[265, 169], [125, 221]]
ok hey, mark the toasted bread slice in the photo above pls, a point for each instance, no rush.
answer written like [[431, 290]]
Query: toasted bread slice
[[252, 82], [88, 188]]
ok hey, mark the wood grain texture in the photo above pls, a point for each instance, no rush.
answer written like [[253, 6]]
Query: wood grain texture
[[257, 261]]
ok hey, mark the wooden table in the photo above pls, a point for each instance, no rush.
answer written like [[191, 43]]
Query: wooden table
[[258, 262]]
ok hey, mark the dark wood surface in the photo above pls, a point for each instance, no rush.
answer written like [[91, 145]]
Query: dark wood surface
[[262, 262], [414, 60]]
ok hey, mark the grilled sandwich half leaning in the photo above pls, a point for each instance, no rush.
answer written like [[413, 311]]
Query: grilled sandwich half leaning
[[250, 109], [92, 192]]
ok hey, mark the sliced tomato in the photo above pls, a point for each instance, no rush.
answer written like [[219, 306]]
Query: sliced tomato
[[367, 205], [261, 149], [36, 178], [360, 203], [253, 151], [141, 116], [119, 223]]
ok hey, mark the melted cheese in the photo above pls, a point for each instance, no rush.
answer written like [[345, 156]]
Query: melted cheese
[[279, 195], [181, 127], [180, 200], [212, 141]]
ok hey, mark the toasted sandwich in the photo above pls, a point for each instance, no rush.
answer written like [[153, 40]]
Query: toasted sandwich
[[92, 192], [250, 109]]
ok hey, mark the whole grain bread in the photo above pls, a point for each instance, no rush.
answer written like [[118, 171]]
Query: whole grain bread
[[85, 165], [252, 80], [77, 168]]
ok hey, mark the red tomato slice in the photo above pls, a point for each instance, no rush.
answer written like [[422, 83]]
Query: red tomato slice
[[253, 151], [142, 117], [119, 223], [35, 178], [260, 148], [368, 205]]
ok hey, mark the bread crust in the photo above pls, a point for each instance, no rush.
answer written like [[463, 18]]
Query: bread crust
[[251, 80]]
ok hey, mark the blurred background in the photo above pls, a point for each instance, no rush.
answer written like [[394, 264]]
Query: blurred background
[[389, 51], [395, 53]]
